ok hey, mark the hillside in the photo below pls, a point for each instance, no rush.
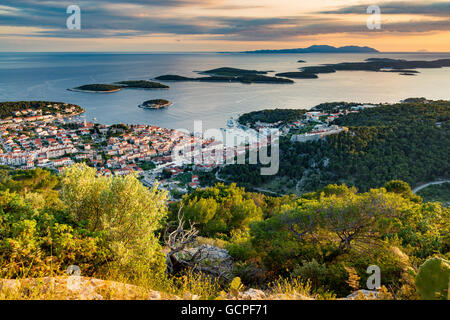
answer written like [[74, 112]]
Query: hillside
[[9, 109], [237, 244], [406, 141]]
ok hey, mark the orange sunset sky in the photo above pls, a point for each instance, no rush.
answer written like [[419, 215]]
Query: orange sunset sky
[[222, 25]]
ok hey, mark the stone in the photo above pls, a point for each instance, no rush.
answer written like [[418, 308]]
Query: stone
[[362, 295], [252, 294]]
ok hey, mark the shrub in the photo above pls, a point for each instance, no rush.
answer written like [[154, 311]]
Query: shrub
[[123, 211]]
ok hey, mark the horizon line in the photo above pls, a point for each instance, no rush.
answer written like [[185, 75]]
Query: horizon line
[[231, 52]]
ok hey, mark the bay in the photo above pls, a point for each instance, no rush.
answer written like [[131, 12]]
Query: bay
[[46, 76]]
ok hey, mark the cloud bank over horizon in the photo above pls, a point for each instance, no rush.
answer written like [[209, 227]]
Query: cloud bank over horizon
[[210, 25]]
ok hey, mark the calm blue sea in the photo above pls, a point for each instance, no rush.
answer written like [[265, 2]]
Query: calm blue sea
[[46, 76]]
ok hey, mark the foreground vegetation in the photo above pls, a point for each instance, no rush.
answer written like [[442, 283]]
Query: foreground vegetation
[[318, 245]]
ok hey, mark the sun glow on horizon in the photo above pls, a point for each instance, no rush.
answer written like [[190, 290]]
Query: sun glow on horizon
[[218, 25]]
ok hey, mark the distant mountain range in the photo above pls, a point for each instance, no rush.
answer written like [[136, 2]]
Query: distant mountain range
[[321, 49]]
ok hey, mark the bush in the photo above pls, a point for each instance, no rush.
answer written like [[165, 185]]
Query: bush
[[122, 210]]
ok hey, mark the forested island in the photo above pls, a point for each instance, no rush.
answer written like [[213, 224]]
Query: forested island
[[155, 104], [97, 87], [117, 86], [400, 66], [226, 74], [231, 72], [407, 141], [298, 75], [379, 64], [142, 84]]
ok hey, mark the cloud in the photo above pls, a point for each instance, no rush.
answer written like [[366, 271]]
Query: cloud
[[438, 9], [116, 18]]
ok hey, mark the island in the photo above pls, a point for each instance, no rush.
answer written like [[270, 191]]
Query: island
[[231, 72], [142, 84], [377, 64], [227, 74], [400, 71], [320, 49], [298, 75], [155, 104], [97, 87], [400, 66], [109, 88]]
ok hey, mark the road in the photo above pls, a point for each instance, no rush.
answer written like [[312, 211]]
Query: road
[[429, 184], [256, 189]]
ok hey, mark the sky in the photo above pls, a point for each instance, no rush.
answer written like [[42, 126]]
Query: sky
[[223, 25]]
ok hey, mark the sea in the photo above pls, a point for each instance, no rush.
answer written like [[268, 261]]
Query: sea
[[47, 76]]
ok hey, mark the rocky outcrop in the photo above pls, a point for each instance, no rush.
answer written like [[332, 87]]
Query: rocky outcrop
[[207, 259], [256, 294], [84, 288], [73, 288]]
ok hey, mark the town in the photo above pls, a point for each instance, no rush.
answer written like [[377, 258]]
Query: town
[[312, 126], [56, 138]]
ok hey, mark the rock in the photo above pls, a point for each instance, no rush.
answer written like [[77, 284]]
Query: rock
[[362, 295], [208, 259], [252, 294], [74, 288], [154, 295]]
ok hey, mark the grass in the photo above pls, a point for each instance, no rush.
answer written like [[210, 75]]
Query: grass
[[295, 289]]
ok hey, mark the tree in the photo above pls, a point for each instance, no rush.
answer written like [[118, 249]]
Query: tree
[[220, 210], [122, 209]]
